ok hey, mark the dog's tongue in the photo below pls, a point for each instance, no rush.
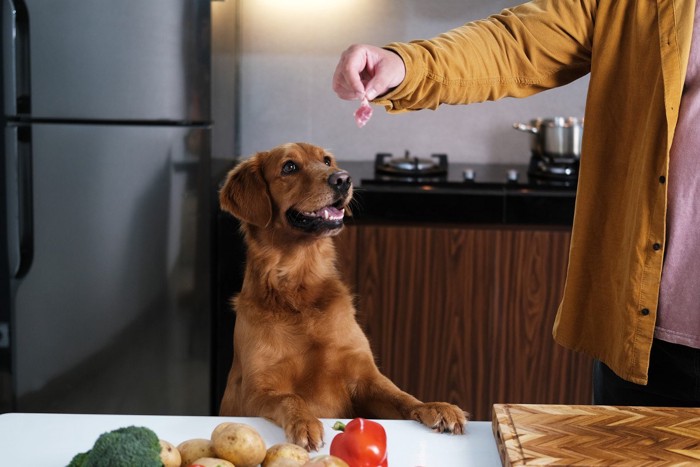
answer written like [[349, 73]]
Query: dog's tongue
[[331, 213]]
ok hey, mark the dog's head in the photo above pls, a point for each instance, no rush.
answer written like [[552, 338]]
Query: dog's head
[[296, 187]]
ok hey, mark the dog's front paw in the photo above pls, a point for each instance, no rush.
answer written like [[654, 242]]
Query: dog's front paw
[[441, 417], [305, 433]]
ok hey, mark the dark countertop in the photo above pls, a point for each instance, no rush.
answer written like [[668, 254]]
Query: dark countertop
[[453, 201]]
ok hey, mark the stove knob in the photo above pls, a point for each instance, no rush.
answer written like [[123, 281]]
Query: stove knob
[[469, 175], [513, 175]]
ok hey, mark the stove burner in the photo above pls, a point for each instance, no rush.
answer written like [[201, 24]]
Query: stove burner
[[434, 172], [410, 165], [544, 167]]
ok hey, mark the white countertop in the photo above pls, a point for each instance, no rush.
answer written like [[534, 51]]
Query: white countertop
[[53, 439]]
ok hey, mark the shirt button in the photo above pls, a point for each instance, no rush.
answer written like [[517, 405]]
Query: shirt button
[[645, 311], [656, 246], [662, 179]]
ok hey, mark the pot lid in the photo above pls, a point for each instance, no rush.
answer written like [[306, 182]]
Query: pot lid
[[558, 122]]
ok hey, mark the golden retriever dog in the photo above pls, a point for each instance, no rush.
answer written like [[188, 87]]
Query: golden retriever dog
[[299, 353]]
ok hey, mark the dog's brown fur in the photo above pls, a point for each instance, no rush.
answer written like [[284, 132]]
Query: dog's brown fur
[[299, 353]]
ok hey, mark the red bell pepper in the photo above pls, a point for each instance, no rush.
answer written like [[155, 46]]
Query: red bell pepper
[[362, 443]]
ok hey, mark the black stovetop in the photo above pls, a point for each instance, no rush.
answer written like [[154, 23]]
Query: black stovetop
[[460, 176]]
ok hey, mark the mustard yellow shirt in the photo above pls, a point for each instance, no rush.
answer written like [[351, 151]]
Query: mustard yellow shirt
[[636, 52]]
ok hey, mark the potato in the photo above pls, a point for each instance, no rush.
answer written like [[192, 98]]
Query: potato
[[285, 455], [212, 462], [283, 462], [169, 454], [194, 449], [326, 460], [219, 428], [240, 444]]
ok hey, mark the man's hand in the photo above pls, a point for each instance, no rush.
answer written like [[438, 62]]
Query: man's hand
[[366, 71]]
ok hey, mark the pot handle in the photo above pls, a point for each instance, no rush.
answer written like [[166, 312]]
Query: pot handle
[[526, 128]]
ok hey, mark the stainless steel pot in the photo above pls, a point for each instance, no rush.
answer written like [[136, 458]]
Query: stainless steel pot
[[555, 138]]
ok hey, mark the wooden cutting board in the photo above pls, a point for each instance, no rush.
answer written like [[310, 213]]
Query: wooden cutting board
[[530, 434]]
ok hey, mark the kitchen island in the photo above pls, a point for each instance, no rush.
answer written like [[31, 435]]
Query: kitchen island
[[458, 284], [49, 440]]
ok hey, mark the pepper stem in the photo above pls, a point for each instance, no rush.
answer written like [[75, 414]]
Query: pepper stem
[[339, 426]]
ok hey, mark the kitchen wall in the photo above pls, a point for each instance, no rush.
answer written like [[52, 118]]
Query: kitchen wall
[[288, 50]]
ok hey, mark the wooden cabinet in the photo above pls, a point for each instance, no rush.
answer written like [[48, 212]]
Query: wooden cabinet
[[465, 314]]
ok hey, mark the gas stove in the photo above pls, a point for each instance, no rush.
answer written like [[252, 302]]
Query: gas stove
[[409, 188], [437, 173]]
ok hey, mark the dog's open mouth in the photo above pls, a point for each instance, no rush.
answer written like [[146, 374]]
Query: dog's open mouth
[[325, 219]]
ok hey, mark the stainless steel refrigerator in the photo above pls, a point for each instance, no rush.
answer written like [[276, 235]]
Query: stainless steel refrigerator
[[104, 235]]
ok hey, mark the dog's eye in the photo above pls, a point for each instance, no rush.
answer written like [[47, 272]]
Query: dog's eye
[[289, 167], [327, 161]]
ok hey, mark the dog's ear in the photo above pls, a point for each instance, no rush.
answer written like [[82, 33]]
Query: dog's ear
[[245, 194]]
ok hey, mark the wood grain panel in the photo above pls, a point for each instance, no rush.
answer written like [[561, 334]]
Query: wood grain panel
[[466, 262], [465, 315], [530, 281]]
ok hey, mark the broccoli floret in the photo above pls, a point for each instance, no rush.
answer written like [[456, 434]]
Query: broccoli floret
[[125, 447], [78, 460]]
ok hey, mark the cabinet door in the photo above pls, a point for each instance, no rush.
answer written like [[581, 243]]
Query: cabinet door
[[528, 365], [423, 300], [465, 315]]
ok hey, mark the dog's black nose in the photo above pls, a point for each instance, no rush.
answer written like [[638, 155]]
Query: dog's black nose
[[340, 181]]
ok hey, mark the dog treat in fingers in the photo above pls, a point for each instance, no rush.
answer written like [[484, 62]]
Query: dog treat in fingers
[[363, 113]]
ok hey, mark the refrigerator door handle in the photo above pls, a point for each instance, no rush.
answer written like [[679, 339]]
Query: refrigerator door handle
[[17, 60], [20, 199]]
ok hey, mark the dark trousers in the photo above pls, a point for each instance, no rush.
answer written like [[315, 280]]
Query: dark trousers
[[674, 380]]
